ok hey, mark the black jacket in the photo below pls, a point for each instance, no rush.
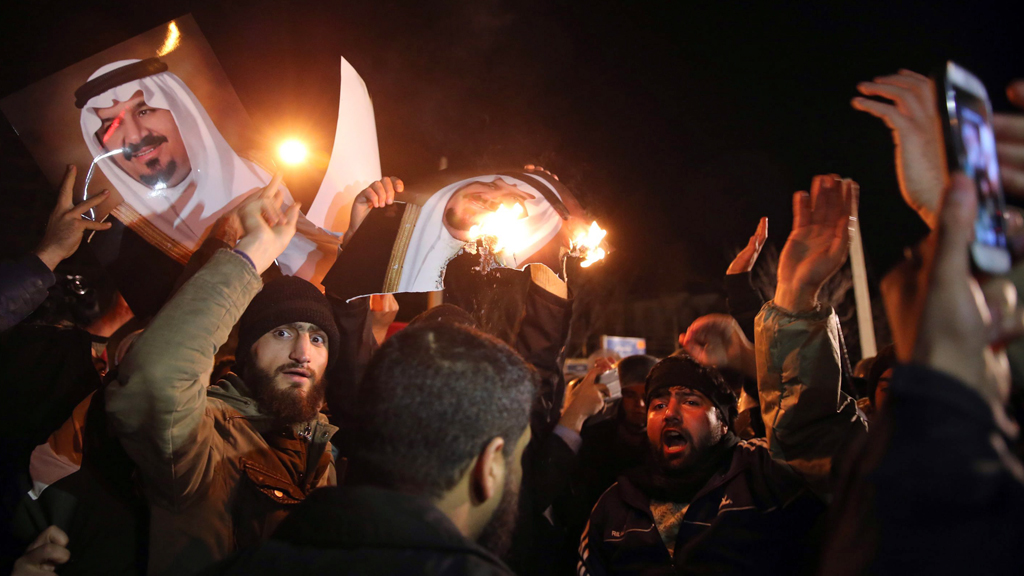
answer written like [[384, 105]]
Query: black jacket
[[754, 516], [365, 531], [934, 488]]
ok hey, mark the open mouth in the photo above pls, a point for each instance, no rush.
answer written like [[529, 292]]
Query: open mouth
[[674, 441], [298, 374]]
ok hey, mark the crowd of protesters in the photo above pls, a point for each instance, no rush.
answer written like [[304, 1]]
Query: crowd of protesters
[[257, 425]]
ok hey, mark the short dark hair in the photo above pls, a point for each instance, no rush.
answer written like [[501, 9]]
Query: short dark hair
[[634, 369], [430, 400]]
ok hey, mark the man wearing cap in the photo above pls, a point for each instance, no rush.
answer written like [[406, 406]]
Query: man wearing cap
[[707, 502], [223, 463], [704, 501]]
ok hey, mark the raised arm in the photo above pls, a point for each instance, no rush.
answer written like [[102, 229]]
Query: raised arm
[[24, 283], [158, 405], [806, 416]]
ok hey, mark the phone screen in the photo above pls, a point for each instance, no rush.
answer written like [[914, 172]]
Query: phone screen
[[977, 158]]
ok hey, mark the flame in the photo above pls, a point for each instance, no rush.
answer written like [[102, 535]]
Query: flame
[[172, 40], [293, 152], [588, 244], [507, 226]]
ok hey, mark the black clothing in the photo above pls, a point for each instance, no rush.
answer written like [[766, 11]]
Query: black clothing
[[24, 284], [366, 531], [754, 516], [932, 489]]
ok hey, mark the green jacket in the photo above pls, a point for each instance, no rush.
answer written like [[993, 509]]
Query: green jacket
[[807, 416], [216, 475]]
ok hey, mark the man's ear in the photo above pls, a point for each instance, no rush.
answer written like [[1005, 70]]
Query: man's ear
[[488, 474]]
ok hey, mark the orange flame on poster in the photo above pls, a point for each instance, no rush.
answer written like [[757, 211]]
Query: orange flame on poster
[[506, 225], [172, 40], [588, 244]]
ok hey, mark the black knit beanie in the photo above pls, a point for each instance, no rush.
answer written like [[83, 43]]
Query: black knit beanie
[[688, 373], [283, 301]]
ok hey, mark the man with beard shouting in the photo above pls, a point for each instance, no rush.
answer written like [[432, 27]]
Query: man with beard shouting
[[707, 502], [434, 466], [222, 464]]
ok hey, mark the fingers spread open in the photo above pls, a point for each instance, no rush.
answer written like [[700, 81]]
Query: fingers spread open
[[89, 204]]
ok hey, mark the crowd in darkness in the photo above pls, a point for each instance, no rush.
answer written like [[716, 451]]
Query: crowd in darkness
[[258, 425]]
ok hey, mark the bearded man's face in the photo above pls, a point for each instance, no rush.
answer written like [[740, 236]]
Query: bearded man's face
[[285, 370]]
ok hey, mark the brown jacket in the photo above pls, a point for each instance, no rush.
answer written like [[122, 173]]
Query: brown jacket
[[216, 475]]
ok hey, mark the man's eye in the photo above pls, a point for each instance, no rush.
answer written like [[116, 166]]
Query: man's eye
[[658, 405], [692, 403], [317, 339], [144, 111], [282, 333]]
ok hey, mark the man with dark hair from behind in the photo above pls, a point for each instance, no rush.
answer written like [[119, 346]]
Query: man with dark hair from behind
[[434, 468]]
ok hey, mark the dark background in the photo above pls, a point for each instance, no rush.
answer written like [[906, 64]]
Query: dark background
[[679, 124]]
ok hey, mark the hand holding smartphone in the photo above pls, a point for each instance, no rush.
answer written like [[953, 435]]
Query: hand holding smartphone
[[971, 148]]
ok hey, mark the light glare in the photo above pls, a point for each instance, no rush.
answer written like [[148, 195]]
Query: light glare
[[293, 152]]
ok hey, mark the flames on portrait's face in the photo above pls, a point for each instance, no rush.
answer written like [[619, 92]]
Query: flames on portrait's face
[[505, 228]]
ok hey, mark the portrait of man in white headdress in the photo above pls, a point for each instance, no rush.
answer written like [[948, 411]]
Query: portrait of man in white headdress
[[424, 231], [174, 169]]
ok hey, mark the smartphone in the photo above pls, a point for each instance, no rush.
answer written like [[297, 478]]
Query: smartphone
[[611, 403], [971, 148], [611, 380]]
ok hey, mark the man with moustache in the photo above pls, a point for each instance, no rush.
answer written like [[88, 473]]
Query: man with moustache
[[174, 169], [222, 463], [434, 466], [707, 502]]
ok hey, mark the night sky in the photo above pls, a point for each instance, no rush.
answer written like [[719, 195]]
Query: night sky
[[678, 124]]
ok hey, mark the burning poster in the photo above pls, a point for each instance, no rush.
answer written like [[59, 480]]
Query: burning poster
[[514, 217], [155, 120]]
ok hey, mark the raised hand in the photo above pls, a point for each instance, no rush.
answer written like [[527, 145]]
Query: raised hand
[[377, 195], [586, 398], [1009, 130], [745, 260], [940, 316], [913, 117], [267, 231], [819, 243], [717, 340], [66, 226]]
